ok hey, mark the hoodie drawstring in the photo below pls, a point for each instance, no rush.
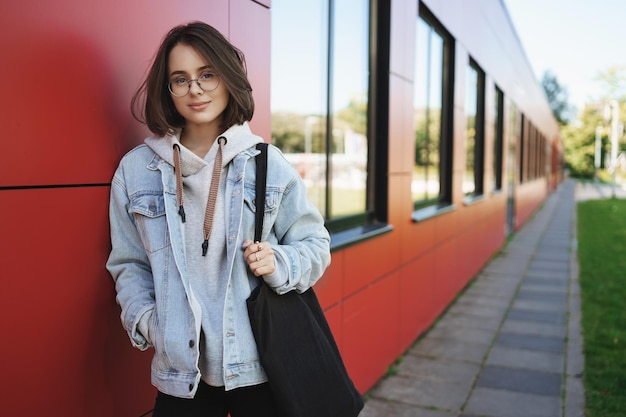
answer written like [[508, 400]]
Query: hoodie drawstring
[[215, 183], [179, 183]]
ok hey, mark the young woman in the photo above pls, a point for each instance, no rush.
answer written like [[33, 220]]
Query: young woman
[[182, 219]]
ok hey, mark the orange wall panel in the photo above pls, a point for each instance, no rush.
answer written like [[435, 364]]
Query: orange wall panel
[[446, 270], [418, 238], [417, 303], [371, 331], [369, 261], [329, 288]]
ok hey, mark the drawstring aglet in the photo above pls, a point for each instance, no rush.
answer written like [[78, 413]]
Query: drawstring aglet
[[181, 212], [205, 247]]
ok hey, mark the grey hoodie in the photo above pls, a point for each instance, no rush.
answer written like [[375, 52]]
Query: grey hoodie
[[208, 274]]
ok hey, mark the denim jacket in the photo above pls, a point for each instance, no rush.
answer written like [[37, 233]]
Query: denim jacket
[[147, 261]]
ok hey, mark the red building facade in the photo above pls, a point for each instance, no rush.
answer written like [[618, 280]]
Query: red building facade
[[69, 71]]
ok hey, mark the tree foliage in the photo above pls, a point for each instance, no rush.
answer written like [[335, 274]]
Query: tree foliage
[[579, 138], [558, 98], [612, 83]]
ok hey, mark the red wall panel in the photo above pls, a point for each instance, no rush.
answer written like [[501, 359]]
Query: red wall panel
[[64, 350], [77, 65], [250, 31]]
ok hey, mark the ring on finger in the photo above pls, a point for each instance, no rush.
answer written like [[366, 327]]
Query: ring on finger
[[259, 247], [257, 256]]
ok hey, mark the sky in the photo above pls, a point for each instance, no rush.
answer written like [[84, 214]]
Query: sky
[[574, 39]]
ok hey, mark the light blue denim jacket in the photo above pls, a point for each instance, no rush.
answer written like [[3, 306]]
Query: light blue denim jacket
[[147, 261]]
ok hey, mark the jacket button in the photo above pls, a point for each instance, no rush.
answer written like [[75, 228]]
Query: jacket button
[[192, 343]]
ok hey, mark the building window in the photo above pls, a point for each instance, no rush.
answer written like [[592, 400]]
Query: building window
[[474, 135], [431, 183], [498, 140], [322, 84]]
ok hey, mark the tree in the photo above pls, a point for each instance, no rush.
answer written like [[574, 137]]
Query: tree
[[613, 84], [579, 140], [558, 97]]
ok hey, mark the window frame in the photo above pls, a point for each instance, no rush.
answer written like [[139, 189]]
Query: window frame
[[479, 136], [424, 209], [498, 140], [353, 228]]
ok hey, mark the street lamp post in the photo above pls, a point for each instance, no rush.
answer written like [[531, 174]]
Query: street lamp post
[[597, 155], [611, 111]]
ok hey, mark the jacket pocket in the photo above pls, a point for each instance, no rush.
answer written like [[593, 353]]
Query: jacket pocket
[[272, 200], [148, 210]]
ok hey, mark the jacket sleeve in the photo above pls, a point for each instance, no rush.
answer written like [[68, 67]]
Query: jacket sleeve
[[128, 264], [303, 250]]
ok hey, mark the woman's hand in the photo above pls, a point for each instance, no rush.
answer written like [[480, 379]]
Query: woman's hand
[[259, 256]]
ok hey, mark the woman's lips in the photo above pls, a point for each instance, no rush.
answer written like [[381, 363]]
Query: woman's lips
[[199, 106]]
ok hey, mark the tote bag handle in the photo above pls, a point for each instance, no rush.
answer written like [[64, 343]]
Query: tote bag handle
[[261, 178]]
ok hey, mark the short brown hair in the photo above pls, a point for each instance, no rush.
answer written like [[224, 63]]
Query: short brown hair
[[158, 111]]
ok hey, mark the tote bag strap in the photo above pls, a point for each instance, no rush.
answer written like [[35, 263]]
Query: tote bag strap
[[261, 177]]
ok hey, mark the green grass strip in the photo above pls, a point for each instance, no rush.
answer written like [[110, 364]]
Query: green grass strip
[[602, 259]]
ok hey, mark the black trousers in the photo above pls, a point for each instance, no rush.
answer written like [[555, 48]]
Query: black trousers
[[254, 401]]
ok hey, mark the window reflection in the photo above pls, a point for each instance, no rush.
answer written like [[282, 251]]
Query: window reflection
[[471, 97], [350, 75], [425, 185], [298, 89], [319, 98]]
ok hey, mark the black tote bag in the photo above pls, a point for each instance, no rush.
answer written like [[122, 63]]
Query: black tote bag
[[306, 373]]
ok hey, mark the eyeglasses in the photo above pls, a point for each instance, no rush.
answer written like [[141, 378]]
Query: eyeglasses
[[181, 86]]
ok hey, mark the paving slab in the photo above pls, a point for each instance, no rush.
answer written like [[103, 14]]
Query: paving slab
[[423, 392], [534, 328], [465, 309], [545, 284], [538, 306], [549, 317], [529, 342], [379, 408], [437, 369], [489, 402], [472, 322], [454, 331], [541, 296], [451, 349], [526, 359], [520, 380]]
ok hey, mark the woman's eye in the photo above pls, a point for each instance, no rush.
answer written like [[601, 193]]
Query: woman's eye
[[206, 76], [180, 81]]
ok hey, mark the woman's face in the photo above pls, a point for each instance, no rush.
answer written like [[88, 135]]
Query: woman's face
[[202, 108]]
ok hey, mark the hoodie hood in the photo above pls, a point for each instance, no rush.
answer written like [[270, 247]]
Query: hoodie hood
[[238, 139], [235, 140]]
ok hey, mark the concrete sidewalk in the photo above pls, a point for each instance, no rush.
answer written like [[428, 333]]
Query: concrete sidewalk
[[510, 346]]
